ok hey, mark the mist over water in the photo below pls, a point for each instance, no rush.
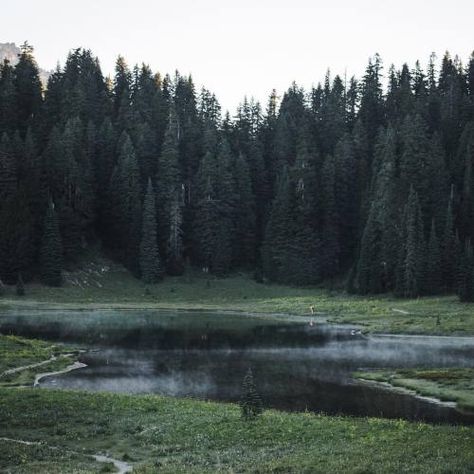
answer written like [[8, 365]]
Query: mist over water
[[205, 355]]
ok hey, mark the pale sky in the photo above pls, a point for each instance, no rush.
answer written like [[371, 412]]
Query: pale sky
[[245, 47]]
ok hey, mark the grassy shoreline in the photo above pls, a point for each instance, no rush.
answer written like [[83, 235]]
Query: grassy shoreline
[[453, 384], [31, 356], [239, 293], [164, 434], [159, 434]]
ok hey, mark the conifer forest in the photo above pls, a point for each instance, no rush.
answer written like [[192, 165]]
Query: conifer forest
[[368, 180]]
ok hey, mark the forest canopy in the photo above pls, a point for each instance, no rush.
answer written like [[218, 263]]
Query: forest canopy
[[350, 179]]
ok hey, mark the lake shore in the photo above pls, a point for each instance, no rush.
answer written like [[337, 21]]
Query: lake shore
[[154, 433], [239, 293], [68, 431], [447, 386]]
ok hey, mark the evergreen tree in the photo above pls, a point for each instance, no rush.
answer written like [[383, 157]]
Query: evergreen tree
[[379, 247], [27, 87], [411, 266], [371, 111], [170, 185], [370, 269], [8, 99], [250, 403], [245, 225], [105, 156], [150, 262], [51, 249], [207, 212], [174, 263], [305, 259], [17, 244], [448, 249], [312, 187], [464, 178], [122, 96], [331, 221], [466, 270], [278, 231], [124, 202], [433, 263], [214, 224], [20, 286], [346, 193]]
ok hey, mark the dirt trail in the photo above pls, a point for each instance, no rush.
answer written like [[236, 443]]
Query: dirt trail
[[121, 466], [69, 368], [401, 311], [27, 367]]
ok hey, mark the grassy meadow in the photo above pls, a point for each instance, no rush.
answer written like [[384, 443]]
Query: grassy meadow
[[159, 434], [453, 384], [116, 288]]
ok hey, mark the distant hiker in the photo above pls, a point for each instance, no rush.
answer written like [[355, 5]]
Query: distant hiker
[[311, 308]]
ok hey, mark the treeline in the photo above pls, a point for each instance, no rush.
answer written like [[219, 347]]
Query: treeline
[[351, 178]]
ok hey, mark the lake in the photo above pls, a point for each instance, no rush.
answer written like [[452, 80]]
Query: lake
[[298, 364]]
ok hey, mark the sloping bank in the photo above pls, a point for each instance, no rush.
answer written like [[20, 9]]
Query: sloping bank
[[154, 433], [449, 386]]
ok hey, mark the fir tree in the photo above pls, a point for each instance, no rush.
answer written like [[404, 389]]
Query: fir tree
[[8, 99], [124, 201], [174, 263], [433, 264], [277, 232], [331, 221], [150, 262], [170, 186], [448, 248], [245, 226], [27, 87], [379, 247], [412, 259], [312, 187], [51, 249], [370, 270], [20, 286], [250, 403], [466, 271]]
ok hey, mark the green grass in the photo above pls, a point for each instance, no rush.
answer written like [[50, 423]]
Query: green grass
[[453, 384], [19, 352], [158, 434], [18, 458], [118, 289]]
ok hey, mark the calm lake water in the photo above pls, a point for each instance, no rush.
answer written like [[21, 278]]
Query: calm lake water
[[296, 365]]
